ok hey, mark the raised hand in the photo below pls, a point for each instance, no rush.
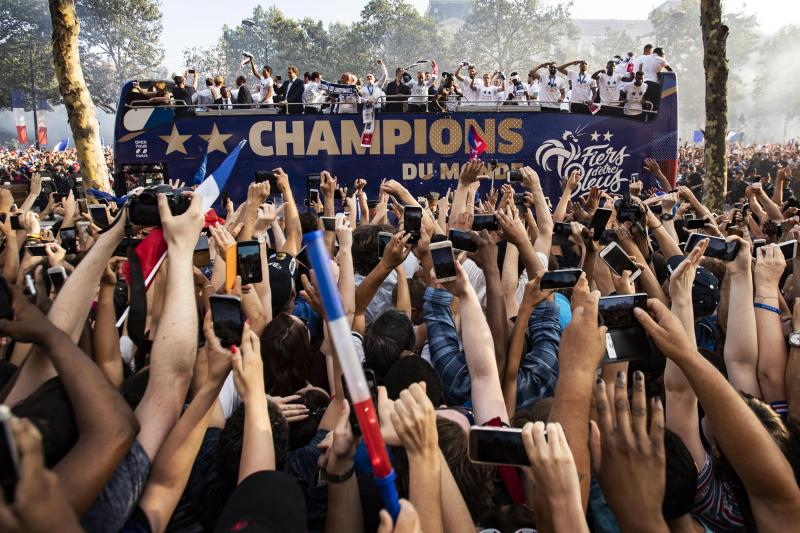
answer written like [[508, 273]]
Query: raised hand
[[180, 232], [414, 421], [682, 279], [248, 368], [397, 250], [770, 265], [666, 330]]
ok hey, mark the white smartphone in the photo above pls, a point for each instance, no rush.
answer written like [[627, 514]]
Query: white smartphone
[[618, 261], [789, 249], [444, 263]]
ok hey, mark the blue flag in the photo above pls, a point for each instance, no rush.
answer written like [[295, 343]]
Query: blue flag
[[698, 136], [200, 175], [60, 147]]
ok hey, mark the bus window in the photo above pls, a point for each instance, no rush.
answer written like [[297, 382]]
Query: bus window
[[135, 175]]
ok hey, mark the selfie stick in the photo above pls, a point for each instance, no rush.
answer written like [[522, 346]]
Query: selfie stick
[[340, 332]]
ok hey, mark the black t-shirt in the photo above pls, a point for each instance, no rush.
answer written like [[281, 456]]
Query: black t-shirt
[[397, 93]]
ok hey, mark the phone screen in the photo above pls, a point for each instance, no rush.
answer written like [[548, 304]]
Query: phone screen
[[82, 206], [412, 221], [9, 460], [789, 249], [69, 240], [616, 258], [462, 240], [329, 223], [497, 446], [444, 265], [599, 221], [313, 195], [201, 256], [617, 311], [562, 229], [99, 215], [383, 240], [36, 250], [717, 247], [248, 262], [560, 279], [6, 311], [697, 223], [313, 181], [487, 222], [226, 312], [57, 278], [15, 223]]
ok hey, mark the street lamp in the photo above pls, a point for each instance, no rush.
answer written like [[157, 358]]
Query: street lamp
[[250, 23]]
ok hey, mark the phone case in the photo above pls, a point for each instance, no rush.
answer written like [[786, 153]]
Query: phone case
[[230, 268]]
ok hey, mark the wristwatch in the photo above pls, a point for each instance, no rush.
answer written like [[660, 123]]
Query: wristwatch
[[324, 477], [794, 339], [666, 217]]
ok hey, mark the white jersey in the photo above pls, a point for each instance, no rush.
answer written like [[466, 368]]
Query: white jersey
[[266, 85], [313, 96], [518, 92], [633, 98], [470, 94], [373, 94], [550, 88], [419, 91], [651, 66], [582, 85], [608, 87], [489, 93]]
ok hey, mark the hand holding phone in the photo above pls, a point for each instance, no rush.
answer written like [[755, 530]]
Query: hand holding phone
[[618, 261], [412, 222], [444, 263], [226, 313], [462, 240], [248, 262], [560, 279], [497, 445]]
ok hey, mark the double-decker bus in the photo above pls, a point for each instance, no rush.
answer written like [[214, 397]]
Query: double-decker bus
[[424, 151]]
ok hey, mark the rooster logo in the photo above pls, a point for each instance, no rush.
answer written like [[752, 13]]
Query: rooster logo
[[564, 151]]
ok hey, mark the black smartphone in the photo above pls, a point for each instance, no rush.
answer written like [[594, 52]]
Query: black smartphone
[[202, 255], [313, 181], [617, 311], [226, 312], [6, 311], [15, 223], [656, 209], [57, 275], [462, 240], [560, 279], [36, 250], [562, 229], [519, 198], [696, 223], [223, 199], [248, 262], [599, 221], [789, 249], [268, 175], [383, 240], [617, 260], [412, 222], [313, 196], [626, 339], [9, 459], [444, 263], [328, 223], [69, 240], [515, 175], [717, 247], [499, 446], [487, 222], [99, 215]]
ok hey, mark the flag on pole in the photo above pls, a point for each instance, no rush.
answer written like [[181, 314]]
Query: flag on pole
[[200, 175], [476, 144], [18, 105], [61, 146], [215, 182], [41, 134], [698, 136]]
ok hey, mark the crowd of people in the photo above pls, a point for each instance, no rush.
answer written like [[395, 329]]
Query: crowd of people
[[158, 424], [625, 86]]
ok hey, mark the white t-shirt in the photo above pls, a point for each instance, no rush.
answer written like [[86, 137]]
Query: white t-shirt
[[608, 87], [550, 90], [638, 61], [489, 93], [651, 66], [633, 98], [372, 93], [266, 85], [313, 96], [419, 91], [582, 85], [470, 94], [518, 92]]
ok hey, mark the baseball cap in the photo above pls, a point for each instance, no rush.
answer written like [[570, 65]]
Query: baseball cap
[[268, 502], [282, 267], [705, 289]]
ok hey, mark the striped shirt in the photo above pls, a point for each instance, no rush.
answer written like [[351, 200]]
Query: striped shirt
[[714, 502]]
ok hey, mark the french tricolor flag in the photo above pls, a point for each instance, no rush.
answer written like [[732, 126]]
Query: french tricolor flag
[[476, 144]]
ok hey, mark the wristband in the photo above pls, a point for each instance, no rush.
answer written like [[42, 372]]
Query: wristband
[[766, 307]]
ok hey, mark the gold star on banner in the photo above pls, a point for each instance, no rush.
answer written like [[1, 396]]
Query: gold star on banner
[[175, 141], [607, 136], [216, 140], [595, 136]]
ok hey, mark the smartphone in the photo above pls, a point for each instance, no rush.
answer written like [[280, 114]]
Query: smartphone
[[462, 240], [514, 175], [9, 459], [69, 240], [6, 311], [230, 268], [626, 339], [498, 446], [15, 223], [519, 198], [634, 177], [758, 243], [223, 199], [313, 196], [412, 222], [372, 385], [717, 247], [696, 223], [202, 255], [226, 313], [444, 263], [82, 207], [383, 240], [617, 311], [599, 222], [688, 216], [328, 223], [268, 175], [487, 222], [99, 215], [57, 275], [618, 261], [248, 262], [36, 250], [313, 181], [562, 229], [789, 249], [560, 279]]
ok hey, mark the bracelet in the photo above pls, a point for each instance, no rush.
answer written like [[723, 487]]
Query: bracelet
[[767, 297], [209, 285], [659, 226], [766, 307]]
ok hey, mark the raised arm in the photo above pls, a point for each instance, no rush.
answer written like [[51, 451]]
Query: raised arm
[[570, 184], [544, 220], [563, 68], [772, 352], [294, 232], [106, 339]]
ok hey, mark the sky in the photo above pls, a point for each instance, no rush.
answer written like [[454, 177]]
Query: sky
[[201, 24]]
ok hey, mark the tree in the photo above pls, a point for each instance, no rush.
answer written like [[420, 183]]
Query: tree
[[614, 42], [513, 34], [715, 63], [77, 100]]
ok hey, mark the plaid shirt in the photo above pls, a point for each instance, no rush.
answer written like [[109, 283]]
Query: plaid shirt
[[538, 369]]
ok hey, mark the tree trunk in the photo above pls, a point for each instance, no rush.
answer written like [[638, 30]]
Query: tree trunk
[[77, 100], [715, 63]]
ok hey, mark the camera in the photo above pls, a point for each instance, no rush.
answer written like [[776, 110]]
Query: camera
[[627, 209], [406, 77], [143, 208]]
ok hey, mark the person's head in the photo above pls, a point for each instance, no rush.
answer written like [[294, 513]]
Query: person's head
[[229, 449], [266, 71], [385, 339], [583, 66], [345, 78], [209, 82], [681, 478], [370, 79], [306, 77], [552, 69], [398, 73], [498, 82], [532, 76], [240, 80], [778, 430], [286, 353], [219, 81], [472, 71], [309, 221], [420, 76], [638, 78], [301, 432], [179, 81], [291, 71], [225, 92], [648, 49], [658, 51], [610, 66], [486, 79], [316, 76], [365, 247]]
